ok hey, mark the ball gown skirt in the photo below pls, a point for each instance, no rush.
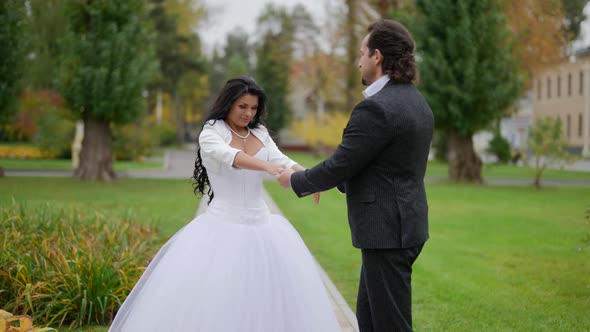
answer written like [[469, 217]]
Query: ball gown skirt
[[234, 268]]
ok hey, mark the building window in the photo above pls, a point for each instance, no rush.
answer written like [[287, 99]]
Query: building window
[[580, 125], [569, 126], [558, 86], [539, 89], [548, 88], [569, 84], [581, 83]]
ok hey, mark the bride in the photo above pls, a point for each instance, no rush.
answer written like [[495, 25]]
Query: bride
[[236, 267]]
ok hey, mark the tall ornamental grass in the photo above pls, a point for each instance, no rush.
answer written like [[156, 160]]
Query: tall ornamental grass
[[70, 267]]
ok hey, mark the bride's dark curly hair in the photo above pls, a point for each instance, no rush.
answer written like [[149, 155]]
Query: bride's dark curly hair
[[233, 89]]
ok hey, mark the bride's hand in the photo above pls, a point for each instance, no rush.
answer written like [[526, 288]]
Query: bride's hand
[[316, 197], [274, 169]]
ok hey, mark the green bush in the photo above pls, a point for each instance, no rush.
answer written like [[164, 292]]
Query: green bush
[[55, 134], [133, 142], [165, 134], [500, 147], [70, 267]]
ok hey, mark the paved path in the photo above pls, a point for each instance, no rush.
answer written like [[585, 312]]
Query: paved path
[[521, 182], [179, 164]]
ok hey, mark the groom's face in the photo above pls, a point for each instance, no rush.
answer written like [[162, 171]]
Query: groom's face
[[369, 64]]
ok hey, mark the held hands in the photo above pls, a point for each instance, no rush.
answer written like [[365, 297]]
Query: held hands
[[284, 178], [316, 198], [275, 170]]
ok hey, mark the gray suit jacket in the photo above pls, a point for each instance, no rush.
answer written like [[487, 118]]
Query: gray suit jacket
[[380, 164]]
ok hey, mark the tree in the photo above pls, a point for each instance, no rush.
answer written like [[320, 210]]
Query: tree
[[107, 64], [46, 24], [305, 39], [188, 14], [274, 60], [547, 143], [237, 44], [388, 8], [469, 75], [543, 30], [238, 53], [236, 66], [573, 11], [537, 30], [216, 75], [12, 56], [352, 53], [178, 50], [235, 60]]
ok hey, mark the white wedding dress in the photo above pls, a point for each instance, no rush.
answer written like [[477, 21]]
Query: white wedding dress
[[235, 268]]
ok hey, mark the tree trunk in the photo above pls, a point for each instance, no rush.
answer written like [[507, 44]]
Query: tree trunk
[[383, 7], [539, 168], [464, 164], [351, 54], [96, 157], [179, 117], [537, 182]]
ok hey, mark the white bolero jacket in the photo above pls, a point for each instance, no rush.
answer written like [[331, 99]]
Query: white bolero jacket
[[217, 154]]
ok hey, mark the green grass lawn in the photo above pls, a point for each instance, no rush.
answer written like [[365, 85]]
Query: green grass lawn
[[499, 258], [437, 169], [168, 203], [64, 164]]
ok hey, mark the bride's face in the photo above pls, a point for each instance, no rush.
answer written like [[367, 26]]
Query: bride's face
[[243, 111]]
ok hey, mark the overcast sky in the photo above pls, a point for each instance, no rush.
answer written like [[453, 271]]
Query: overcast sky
[[585, 33], [226, 15]]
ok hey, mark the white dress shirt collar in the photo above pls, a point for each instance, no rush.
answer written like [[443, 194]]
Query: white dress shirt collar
[[376, 86]]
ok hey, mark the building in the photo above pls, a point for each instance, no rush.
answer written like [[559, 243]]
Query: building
[[516, 128], [563, 91]]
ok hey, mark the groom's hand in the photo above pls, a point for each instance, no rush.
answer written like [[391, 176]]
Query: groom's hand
[[285, 178], [316, 198]]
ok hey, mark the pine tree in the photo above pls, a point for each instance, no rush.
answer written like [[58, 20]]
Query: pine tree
[[107, 64], [178, 50], [274, 59], [237, 55], [46, 25], [573, 11], [468, 73], [12, 56]]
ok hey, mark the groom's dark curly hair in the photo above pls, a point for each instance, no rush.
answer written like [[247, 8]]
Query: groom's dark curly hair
[[397, 46], [231, 91]]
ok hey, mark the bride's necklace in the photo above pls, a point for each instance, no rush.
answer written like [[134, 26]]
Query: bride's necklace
[[240, 136]]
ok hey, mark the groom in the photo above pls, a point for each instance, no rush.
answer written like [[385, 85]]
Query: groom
[[380, 165]]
